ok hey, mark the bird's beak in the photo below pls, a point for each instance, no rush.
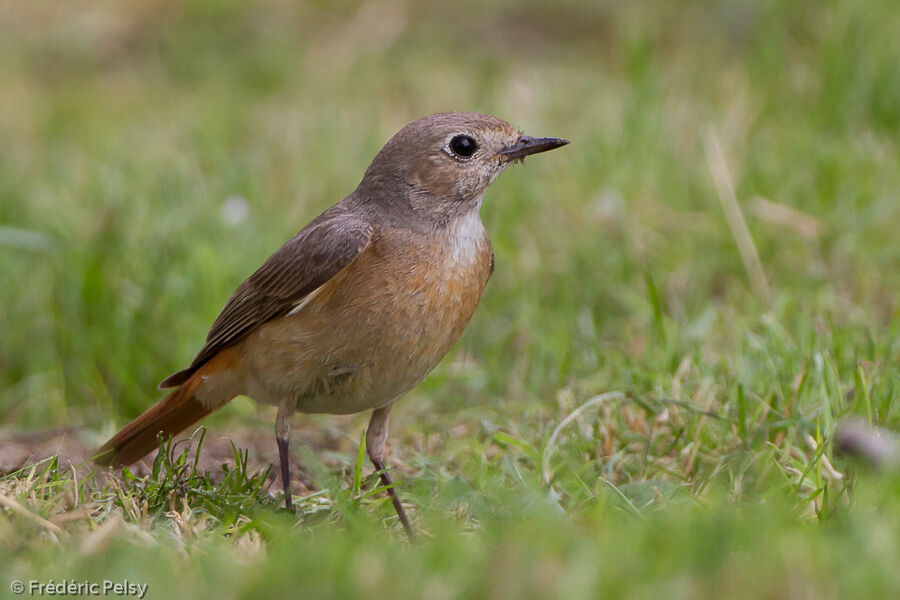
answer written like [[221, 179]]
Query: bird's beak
[[527, 145]]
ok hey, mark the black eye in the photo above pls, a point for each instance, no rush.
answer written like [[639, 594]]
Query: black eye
[[463, 146]]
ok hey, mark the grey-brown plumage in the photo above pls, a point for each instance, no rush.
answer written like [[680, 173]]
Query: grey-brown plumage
[[361, 304], [304, 263]]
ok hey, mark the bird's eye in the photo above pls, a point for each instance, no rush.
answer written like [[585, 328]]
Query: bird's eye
[[463, 146]]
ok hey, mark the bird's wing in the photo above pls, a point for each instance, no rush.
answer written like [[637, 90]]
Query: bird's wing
[[307, 261]]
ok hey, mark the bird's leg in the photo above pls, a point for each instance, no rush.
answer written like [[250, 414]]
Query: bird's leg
[[375, 437], [283, 438]]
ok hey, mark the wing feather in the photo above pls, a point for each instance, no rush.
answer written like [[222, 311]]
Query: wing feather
[[304, 263]]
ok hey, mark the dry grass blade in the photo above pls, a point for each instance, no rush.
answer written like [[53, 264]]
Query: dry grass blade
[[14, 506], [725, 192], [803, 223], [551, 442]]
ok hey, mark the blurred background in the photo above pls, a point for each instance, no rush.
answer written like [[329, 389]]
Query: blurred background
[[718, 243], [153, 154]]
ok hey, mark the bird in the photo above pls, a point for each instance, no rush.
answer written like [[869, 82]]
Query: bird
[[360, 305]]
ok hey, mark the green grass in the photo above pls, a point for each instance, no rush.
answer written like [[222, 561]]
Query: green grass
[[124, 131]]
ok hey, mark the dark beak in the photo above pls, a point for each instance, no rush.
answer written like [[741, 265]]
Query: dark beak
[[528, 145]]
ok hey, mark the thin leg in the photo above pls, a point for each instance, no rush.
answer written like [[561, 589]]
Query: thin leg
[[284, 459], [283, 439], [375, 437]]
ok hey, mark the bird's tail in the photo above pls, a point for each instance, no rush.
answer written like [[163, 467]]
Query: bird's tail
[[174, 413]]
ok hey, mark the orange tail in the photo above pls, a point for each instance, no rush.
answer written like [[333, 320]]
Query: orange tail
[[174, 413]]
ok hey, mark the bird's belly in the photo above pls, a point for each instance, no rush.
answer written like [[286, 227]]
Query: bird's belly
[[366, 337]]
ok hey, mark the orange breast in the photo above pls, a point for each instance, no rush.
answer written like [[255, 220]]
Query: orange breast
[[376, 329]]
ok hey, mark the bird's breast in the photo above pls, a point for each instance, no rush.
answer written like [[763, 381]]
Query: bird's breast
[[379, 326]]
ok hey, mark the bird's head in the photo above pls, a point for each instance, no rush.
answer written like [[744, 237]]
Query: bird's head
[[445, 162]]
